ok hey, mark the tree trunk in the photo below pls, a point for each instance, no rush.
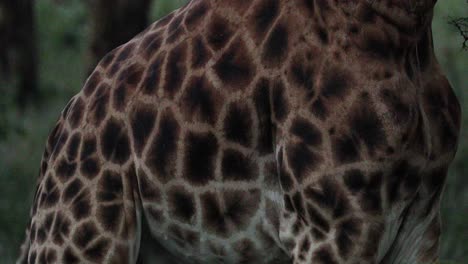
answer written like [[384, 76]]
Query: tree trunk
[[18, 51], [114, 22]]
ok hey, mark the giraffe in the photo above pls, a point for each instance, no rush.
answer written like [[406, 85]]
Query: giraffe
[[263, 131]]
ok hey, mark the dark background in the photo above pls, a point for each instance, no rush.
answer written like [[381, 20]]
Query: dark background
[[55, 43]]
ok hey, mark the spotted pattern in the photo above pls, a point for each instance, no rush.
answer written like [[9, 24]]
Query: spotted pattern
[[260, 131]]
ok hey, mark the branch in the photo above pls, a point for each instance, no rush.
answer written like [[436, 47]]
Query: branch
[[462, 25]]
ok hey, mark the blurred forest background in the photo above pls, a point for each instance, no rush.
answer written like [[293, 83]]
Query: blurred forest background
[[48, 47]]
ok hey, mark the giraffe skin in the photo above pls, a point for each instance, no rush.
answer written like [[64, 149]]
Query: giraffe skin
[[264, 131]]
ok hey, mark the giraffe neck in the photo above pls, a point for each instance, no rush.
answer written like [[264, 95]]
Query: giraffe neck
[[404, 21], [407, 19], [401, 31]]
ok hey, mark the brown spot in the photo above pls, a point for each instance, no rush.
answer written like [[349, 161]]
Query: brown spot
[[302, 160], [73, 146], [175, 69], [279, 100], [97, 251], [376, 42], [175, 29], [65, 170], [61, 228], [125, 52], [264, 14], [98, 106], [235, 68], [50, 194], [219, 32], [142, 120], [201, 101], [348, 233], [196, 14], [84, 234], [151, 44], [238, 167], [115, 143], [276, 46], [261, 99], [72, 189], [76, 112], [162, 155], [92, 83], [153, 74], [336, 83], [199, 157], [238, 124], [307, 132], [302, 73], [345, 149], [200, 53], [181, 204], [128, 79], [110, 216], [81, 206], [110, 187], [69, 256]]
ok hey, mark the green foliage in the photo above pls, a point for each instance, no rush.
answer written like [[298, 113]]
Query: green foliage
[[164, 7], [62, 33], [62, 36]]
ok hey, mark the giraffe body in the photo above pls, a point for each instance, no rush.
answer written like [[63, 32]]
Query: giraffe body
[[259, 131]]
